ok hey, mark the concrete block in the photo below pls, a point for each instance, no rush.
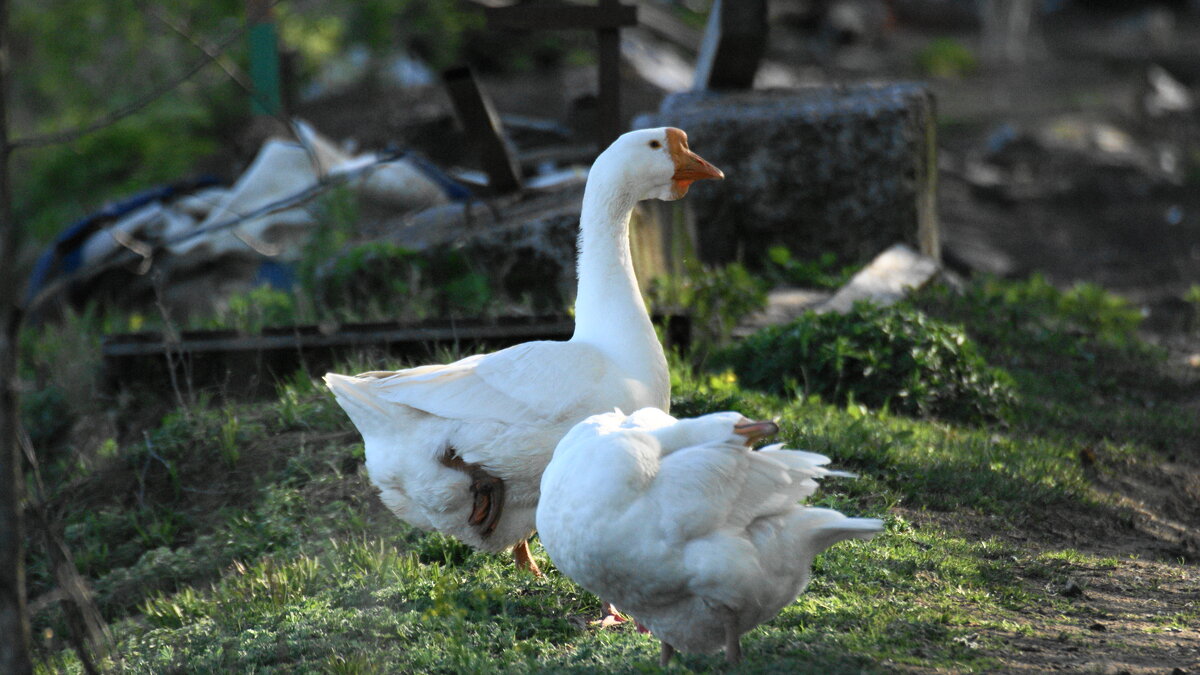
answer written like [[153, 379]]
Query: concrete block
[[850, 170]]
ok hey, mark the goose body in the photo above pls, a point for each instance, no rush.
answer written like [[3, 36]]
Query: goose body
[[699, 537], [460, 447]]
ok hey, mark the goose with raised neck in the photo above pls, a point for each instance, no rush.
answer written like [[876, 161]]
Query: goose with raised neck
[[460, 447]]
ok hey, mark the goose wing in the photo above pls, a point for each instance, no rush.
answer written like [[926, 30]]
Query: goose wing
[[532, 382]]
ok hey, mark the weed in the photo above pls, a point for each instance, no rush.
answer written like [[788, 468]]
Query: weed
[[227, 438], [824, 272], [715, 298], [251, 311], [1192, 297], [946, 57], [894, 358], [382, 280]]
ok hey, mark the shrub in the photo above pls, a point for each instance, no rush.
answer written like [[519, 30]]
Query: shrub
[[389, 280], [716, 299], [1033, 315], [824, 272], [892, 357], [946, 57]]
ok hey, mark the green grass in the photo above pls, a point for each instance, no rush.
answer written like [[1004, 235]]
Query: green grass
[[244, 537]]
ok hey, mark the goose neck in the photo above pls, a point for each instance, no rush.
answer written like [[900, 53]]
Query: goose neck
[[608, 297]]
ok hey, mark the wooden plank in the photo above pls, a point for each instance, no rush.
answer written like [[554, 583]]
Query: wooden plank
[[482, 127], [610, 78], [228, 341], [250, 365], [734, 42], [561, 17]]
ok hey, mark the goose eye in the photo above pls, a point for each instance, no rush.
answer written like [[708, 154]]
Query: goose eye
[[655, 145]]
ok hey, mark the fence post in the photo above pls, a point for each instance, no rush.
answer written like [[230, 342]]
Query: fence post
[[266, 99]]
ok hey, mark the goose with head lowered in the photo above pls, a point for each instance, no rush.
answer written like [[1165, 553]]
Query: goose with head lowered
[[460, 447], [698, 537]]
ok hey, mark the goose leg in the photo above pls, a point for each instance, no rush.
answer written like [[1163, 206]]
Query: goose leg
[[733, 641], [524, 558], [665, 658], [487, 493], [488, 503], [611, 616]]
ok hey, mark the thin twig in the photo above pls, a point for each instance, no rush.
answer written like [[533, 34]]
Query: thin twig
[[171, 343], [121, 113], [84, 621], [212, 51], [216, 53]]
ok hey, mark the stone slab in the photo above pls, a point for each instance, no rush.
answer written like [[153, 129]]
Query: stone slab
[[887, 280], [850, 170]]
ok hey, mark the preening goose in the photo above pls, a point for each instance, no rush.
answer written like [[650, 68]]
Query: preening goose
[[460, 448], [698, 537]]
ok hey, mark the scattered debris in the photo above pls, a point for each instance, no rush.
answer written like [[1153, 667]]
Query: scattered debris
[[1165, 94], [1071, 589], [233, 237]]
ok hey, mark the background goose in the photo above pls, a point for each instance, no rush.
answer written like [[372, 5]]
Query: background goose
[[698, 537], [460, 448]]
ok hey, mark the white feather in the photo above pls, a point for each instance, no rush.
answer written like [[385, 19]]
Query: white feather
[[694, 524], [506, 411]]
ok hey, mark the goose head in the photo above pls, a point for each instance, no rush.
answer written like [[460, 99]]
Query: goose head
[[722, 427], [654, 164]]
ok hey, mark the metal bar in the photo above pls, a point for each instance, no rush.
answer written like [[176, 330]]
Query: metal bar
[[482, 126], [561, 17]]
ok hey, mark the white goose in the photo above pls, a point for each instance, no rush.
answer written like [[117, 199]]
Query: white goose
[[460, 448], [698, 537]]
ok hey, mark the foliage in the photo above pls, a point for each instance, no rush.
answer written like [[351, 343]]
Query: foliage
[[433, 30], [882, 357], [1079, 363], [946, 57], [45, 415], [251, 311], [715, 298], [383, 279], [1085, 334], [73, 65], [1192, 297], [67, 181], [824, 272]]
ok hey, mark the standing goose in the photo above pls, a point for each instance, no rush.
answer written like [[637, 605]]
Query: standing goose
[[460, 448], [698, 537]]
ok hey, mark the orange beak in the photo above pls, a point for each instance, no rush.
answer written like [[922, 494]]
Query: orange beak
[[755, 431], [689, 166]]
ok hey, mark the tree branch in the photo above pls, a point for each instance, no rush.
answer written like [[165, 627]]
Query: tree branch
[[212, 51], [126, 111]]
